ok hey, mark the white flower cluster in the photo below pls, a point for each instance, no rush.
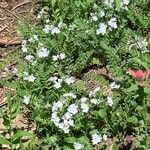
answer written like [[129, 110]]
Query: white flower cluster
[[67, 119], [24, 46], [98, 138], [43, 52], [60, 56], [124, 3], [139, 43], [102, 29], [52, 29], [78, 146], [57, 82], [29, 77], [112, 23]]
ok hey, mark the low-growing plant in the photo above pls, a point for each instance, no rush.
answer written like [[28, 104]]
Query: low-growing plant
[[11, 137], [74, 78]]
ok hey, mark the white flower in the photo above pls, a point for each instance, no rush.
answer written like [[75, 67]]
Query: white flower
[[73, 108], [24, 49], [26, 99], [55, 57], [24, 46], [70, 94], [72, 27], [94, 18], [62, 56], [113, 85], [29, 58], [105, 137], [96, 139], [30, 40], [55, 118], [93, 93], [57, 85], [47, 28], [35, 37], [60, 24], [101, 13], [70, 80], [96, 89], [70, 122], [43, 52], [64, 127], [30, 78], [84, 99], [109, 101], [125, 2], [102, 29], [55, 30], [113, 23], [53, 79], [67, 116], [78, 146], [57, 105], [94, 101], [84, 107], [109, 3], [47, 21]]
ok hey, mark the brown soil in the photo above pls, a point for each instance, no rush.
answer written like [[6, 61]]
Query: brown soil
[[11, 12]]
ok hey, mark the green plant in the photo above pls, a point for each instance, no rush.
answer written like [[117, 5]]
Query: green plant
[[13, 137]]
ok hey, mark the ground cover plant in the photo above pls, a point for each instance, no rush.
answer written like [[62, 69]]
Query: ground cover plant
[[84, 75]]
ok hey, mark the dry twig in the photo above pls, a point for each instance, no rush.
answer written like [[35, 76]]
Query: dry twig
[[7, 41], [23, 3], [9, 12]]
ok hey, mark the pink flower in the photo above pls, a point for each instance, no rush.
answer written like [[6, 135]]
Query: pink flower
[[136, 74], [141, 76]]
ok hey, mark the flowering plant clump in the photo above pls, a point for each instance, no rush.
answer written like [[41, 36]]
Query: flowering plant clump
[[75, 38]]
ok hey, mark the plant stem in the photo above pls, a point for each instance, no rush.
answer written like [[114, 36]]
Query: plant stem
[[10, 121], [145, 122]]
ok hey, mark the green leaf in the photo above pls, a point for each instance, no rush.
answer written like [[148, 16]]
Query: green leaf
[[102, 113], [90, 1], [3, 140], [118, 5], [133, 87], [21, 134], [132, 120], [115, 147], [142, 63], [70, 140], [53, 2], [6, 121]]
